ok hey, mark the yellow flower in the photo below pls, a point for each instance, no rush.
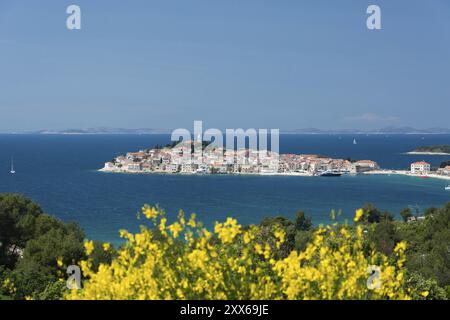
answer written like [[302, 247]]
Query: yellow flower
[[227, 231], [401, 246], [359, 214], [191, 223], [345, 233], [281, 237], [425, 294], [89, 247], [162, 226], [60, 262], [106, 246], [332, 266], [247, 238], [150, 213], [175, 229]]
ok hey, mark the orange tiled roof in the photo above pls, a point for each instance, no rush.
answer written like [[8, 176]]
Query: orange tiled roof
[[421, 162]]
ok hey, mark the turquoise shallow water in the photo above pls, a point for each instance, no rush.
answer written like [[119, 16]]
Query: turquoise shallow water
[[59, 172]]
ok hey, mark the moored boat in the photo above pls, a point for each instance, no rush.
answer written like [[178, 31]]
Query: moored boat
[[330, 174]]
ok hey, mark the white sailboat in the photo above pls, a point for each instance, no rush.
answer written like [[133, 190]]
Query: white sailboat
[[354, 141], [12, 166]]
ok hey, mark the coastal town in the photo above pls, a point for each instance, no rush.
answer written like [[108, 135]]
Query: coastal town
[[182, 158]]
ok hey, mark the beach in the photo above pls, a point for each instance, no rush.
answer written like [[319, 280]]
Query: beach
[[408, 173]]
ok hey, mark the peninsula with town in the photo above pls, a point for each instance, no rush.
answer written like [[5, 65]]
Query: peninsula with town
[[202, 158]]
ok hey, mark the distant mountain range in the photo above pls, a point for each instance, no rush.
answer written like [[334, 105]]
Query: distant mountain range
[[105, 130], [387, 130]]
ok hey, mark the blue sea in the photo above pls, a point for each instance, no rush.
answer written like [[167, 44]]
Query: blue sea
[[60, 173]]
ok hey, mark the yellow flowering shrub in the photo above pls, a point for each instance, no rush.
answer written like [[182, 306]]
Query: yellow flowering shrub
[[184, 260]]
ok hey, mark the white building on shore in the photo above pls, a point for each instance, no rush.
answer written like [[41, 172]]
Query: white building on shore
[[420, 167], [444, 171]]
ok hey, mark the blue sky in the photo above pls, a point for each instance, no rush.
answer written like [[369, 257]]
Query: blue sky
[[231, 63]]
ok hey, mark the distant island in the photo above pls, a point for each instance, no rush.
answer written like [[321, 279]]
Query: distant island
[[443, 149], [111, 130], [386, 130], [105, 130]]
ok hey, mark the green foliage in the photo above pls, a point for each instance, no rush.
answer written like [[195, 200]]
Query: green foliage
[[17, 226], [371, 214], [4, 293], [298, 232], [302, 238], [288, 226], [60, 240], [101, 256], [429, 245], [374, 215], [53, 291], [384, 237], [302, 223], [442, 148], [29, 282], [406, 213], [32, 242], [431, 211], [425, 289]]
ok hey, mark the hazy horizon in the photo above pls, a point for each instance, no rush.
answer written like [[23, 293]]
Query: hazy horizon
[[149, 130]]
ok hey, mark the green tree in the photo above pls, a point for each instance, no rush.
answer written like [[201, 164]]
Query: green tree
[[431, 211], [101, 256], [429, 246], [384, 237], [372, 213], [425, 289], [17, 226], [387, 216], [31, 244], [302, 223], [406, 213], [267, 225]]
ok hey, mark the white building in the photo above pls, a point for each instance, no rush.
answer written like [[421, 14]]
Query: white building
[[420, 167], [135, 166], [173, 168], [444, 171], [364, 165], [109, 165]]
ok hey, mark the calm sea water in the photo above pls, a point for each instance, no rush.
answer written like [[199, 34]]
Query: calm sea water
[[59, 172]]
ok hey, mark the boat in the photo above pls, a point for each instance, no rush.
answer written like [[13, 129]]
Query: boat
[[354, 141], [12, 167], [330, 174], [447, 188]]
